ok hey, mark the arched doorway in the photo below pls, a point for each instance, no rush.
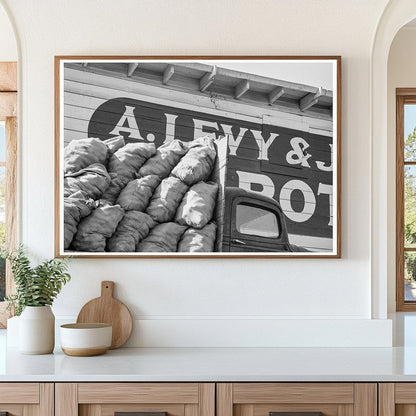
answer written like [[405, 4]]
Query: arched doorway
[[396, 15]]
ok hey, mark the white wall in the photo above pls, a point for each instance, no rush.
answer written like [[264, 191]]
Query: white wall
[[401, 74], [8, 46], [275, 302]]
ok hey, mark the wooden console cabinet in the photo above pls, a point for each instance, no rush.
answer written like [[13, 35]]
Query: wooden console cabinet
[[208, 399]]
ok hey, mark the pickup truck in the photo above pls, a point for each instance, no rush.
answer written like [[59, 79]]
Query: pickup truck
[[246, 221], [254, 223]]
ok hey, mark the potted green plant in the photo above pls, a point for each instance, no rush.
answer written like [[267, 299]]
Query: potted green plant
[[36, 289]]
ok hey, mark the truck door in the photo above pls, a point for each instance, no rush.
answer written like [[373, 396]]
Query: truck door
[[256, 227]]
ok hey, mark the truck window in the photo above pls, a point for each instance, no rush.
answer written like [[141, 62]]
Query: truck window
[[253, 220]]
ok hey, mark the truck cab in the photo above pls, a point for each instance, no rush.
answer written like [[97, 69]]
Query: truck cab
[[254, 223]]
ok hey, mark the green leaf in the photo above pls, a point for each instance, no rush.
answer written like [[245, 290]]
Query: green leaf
[[35, 286]]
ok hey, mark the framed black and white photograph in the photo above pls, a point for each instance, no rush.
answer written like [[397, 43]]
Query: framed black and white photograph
[[198, 156]]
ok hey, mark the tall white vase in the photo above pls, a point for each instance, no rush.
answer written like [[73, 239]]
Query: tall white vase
[[37, 330]]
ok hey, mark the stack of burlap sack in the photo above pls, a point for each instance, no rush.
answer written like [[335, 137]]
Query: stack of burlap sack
[[135, 198]]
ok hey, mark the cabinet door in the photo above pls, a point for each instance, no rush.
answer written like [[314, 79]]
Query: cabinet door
[[297, 399], [397, 399], [142, 399], [26, 399]]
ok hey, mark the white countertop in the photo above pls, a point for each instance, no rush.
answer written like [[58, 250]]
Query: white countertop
[[221, 364], [215, 364]]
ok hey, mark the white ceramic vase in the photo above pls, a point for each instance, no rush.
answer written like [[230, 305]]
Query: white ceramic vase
[[37, 330], [12, 334]]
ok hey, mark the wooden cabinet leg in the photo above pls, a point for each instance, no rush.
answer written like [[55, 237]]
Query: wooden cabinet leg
[[365, 399], [66, 399]]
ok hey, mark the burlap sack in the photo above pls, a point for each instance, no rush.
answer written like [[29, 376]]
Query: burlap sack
[[166, 199], [162, 238], [198, 205], [198, 163], [76, 207], [114, 143], [127, 161], [132, 228], [94, 230], [137, 193], [91, 181], [165, 159], [84, 152], [198, 241], [113, 191]]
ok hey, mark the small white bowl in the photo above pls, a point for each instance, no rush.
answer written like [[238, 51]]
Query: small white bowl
[[83, 340]]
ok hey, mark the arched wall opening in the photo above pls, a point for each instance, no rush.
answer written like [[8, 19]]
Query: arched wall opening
[[396, 15], [8, 45], [401, 73]]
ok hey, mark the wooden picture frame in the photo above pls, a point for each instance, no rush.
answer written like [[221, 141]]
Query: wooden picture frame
[[271, 128]]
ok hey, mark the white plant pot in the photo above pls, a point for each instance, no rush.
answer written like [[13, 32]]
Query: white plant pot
[[12, 333], [37, 330]]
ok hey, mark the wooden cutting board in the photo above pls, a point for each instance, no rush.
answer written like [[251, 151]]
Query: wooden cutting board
[[108, 310]]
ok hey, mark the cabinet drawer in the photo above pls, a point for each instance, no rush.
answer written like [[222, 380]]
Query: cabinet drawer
[[21, 399], [145, 399], [297, 399]]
